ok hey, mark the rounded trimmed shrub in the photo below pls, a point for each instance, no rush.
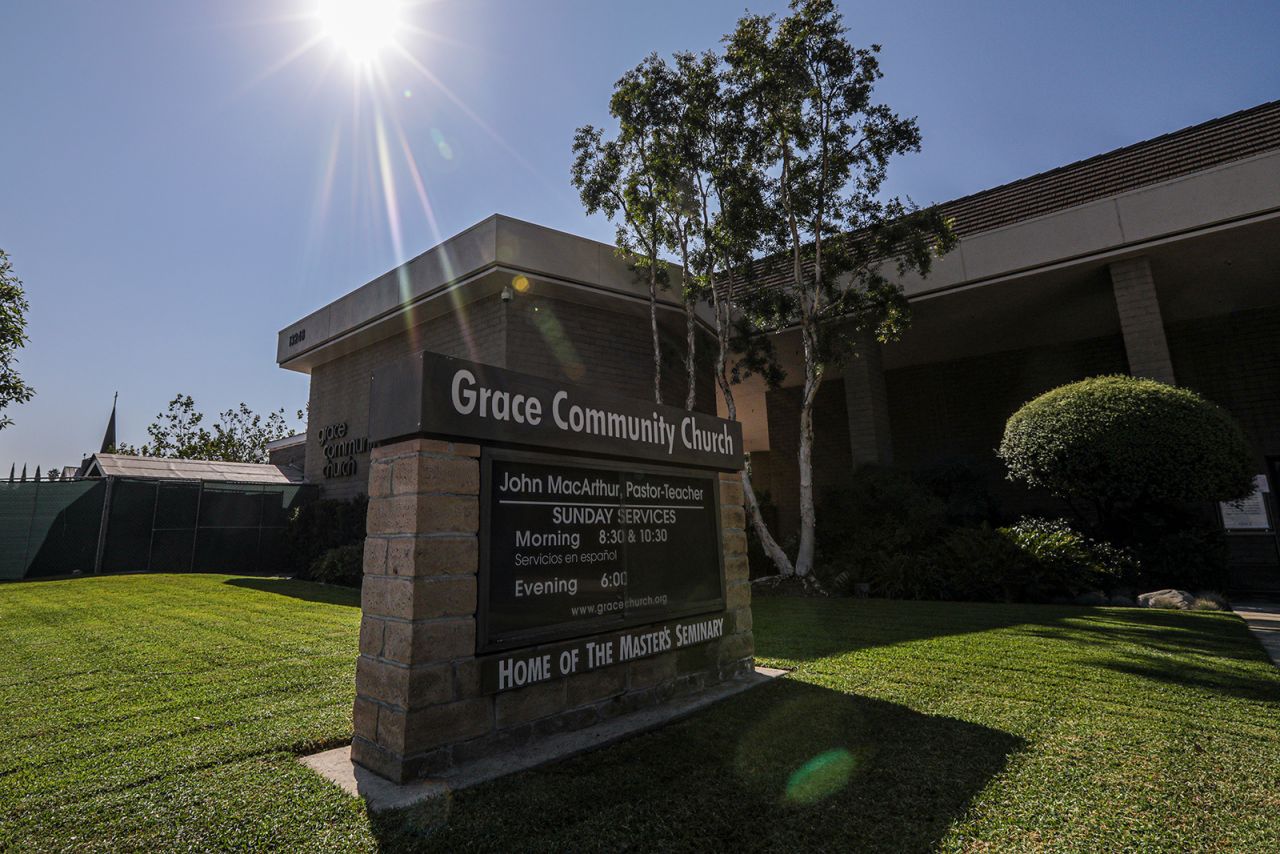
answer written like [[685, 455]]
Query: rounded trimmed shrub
[[1123, 440]]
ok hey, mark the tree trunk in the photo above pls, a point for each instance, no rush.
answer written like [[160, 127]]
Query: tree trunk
[[771, 548], [653, 325], [691, 397], [812, 380]]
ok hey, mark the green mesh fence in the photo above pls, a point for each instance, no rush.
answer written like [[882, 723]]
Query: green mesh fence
[[52, 528], [49, 527], [129, 523]]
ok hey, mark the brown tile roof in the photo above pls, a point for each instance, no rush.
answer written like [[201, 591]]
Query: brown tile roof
[[1181, 152], [1152, 161]]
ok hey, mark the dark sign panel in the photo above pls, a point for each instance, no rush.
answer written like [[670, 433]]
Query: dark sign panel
[[571, 548], [436, 395]]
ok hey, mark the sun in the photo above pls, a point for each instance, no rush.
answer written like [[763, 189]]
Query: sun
[[363, 28]]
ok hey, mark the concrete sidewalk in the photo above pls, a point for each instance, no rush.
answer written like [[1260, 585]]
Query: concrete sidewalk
[[1263, 619]]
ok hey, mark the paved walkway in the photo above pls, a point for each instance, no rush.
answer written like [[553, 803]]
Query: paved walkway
[[1263, 619]]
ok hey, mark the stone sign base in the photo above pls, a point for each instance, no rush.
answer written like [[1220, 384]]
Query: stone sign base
[[420, 707], [381, 794]]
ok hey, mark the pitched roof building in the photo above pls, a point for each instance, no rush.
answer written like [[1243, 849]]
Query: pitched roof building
[[126, 465]]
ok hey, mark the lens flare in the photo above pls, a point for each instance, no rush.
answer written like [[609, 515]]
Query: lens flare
[[821, 777], [442, 144]]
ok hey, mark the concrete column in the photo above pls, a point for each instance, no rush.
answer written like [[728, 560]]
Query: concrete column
[[416, 692], [867, 406], [1140, 320]]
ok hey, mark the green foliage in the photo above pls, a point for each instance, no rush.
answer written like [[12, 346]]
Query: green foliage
[[980, 564], [1139, 455], [1120, 442], [835, 249], [881, 510], [962, 488], [770, 157], [1061, 562], [875, 531], [320, 526], [239, 436], [342, 565], [13, 336], [824, 146], [887, 529], [620, 177]]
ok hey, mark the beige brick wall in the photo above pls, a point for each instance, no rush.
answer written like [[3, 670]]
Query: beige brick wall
[[534, 335], [340, 388]]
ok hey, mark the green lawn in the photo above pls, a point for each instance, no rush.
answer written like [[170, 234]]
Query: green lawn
[[163, 713]]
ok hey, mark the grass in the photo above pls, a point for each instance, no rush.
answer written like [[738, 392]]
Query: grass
[[164, 713]]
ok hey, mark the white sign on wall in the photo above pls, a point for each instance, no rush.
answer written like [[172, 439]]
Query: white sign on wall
[[1249, 514]]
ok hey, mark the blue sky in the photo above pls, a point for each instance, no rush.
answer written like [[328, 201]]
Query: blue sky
[[172, 192]]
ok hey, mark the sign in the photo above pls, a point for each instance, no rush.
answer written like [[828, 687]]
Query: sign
[[1249, 514], [435, 395], [541, 664], [571, 547], [340, 450]]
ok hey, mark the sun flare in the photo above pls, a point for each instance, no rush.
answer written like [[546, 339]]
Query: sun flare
[[362, 28]]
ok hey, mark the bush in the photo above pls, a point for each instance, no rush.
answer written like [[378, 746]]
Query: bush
[[977, 564], [315, 528], [962, 488], [1061, 563], [1209, 601], [876, 531], [342, 565], [1119, 441]]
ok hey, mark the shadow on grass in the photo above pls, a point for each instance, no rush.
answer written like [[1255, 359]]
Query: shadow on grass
[[309, 591], [788, 766], [807, 629], [1178, 632], [1183, 673]]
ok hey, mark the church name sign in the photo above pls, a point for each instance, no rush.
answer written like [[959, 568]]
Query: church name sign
[[600, 538], [437, 395]]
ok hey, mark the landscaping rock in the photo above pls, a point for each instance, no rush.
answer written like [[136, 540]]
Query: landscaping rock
[[1178, 600]]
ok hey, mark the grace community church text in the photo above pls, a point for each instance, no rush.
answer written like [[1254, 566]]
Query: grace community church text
[[469, 398]]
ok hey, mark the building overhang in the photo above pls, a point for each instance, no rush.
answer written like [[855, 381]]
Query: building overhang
[[477, 264], [1221, 197], [1212, 237]]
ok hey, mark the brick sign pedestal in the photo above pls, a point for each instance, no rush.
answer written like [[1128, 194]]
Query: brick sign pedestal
[[422, 707]]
